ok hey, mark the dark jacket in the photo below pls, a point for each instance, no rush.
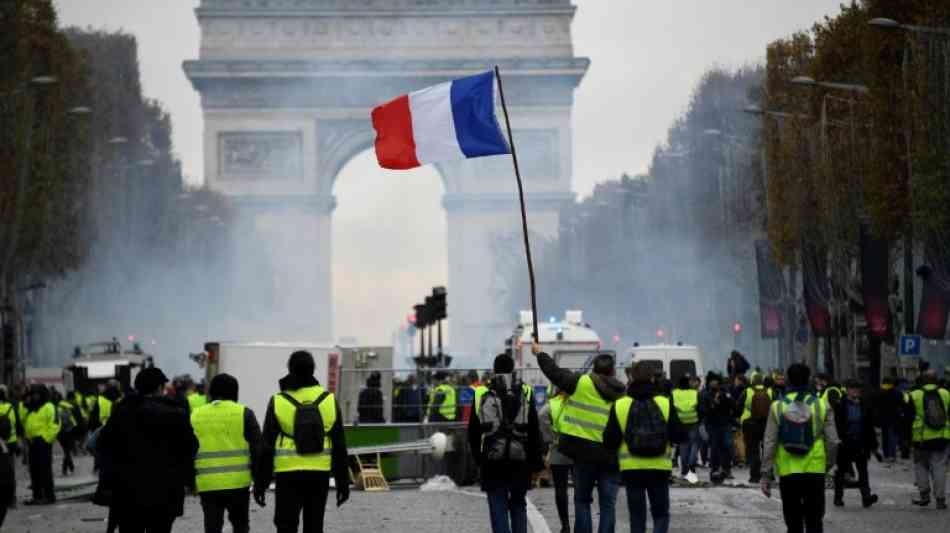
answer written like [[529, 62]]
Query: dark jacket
[[369, 406], [264, 472], [610, 389], [613, 434], [717, 409], [888, 407], [867, 443], [151, 450], [496, 474]]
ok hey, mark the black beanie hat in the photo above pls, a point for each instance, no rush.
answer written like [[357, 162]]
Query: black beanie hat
[[224, 387], [301, 364], [504, 364], [149, 379]]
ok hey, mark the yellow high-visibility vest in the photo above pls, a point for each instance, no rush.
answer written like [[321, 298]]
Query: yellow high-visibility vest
[[479, 393], [585, 412], [42, 423], [6, 410], [105, 409], [629, 461], [686, 402], [815, 461], [223, 461], [921, 431], [196, 400], [747, 408], [447, 408], [286, 458]]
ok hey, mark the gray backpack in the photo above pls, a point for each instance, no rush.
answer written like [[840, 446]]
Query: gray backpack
[[504, 439]]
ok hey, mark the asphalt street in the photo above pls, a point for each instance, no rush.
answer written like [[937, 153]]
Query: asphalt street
[[464, 510]]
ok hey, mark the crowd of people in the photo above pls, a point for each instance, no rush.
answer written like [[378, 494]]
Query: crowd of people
[[155, 442], [790, 428]]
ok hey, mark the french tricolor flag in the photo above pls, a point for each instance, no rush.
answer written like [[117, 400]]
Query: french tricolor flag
[[445, 122]]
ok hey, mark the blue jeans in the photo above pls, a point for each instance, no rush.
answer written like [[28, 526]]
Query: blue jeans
[[689, 449], [654, 484], [504, 502], [889, 441], [606, 478]]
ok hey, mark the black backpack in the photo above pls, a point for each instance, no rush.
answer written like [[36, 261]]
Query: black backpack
[[646, 434], [935, 413], [308, 425]]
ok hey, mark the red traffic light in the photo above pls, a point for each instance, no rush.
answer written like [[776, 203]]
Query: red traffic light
[[660, 333], [737, 328]]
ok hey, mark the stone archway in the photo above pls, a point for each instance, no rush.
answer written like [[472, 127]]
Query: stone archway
[[286, 89]]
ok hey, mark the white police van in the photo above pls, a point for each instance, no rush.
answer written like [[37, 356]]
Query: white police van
[[673, 361]]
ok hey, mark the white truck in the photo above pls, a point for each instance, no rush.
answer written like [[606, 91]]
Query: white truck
[[672, 360], [572, 343], [258, 366]]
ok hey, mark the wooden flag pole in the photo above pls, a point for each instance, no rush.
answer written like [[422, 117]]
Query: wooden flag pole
[[524, 214]]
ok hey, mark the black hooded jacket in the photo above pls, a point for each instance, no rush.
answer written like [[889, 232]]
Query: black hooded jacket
[[151, 447], [263, 475], [609, 388]]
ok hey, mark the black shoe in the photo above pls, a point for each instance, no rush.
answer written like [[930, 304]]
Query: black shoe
[[924, 501], [942, 504], [869, 501], [839, 502]]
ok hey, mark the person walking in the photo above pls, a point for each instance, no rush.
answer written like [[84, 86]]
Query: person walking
[[228, 443], [583, 420], [855, 425], [506, 443], [756, 402], [302, 446], [686, 403], [718, 411], [641, 428], [105, 403], [41, 428], [930, 438], [801, 442], [888, 405], [560, 464], [150, 448], [69, 420]]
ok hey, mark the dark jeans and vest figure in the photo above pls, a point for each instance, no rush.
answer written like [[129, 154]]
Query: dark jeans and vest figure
[[581, 436], [228, 442], [302, 446]]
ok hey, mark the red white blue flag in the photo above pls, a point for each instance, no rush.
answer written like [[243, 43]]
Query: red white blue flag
[[445, 122]]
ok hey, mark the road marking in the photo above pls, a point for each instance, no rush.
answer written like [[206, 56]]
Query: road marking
[[535, 518]]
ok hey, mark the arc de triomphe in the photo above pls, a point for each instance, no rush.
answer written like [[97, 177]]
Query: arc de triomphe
[[286, 91]]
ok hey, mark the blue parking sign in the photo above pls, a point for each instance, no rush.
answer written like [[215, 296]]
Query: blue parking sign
[[910, 345]]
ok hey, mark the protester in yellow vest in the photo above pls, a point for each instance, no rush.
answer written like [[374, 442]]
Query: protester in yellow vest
[[640, 429], [40, 429], [442, 400], [756, 404], [196, 397], [686, 402], [549, 419], [582, 435], [801, 442], [302, 469], [8, 412], [931, 407], [105, 403], [228, 442]]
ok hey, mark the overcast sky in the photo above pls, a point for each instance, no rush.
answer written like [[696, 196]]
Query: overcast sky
[[646, 57]]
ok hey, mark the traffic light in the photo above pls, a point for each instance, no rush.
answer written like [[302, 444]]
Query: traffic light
[[421, 317], [737, 327], [430, 311], [440, 306]]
